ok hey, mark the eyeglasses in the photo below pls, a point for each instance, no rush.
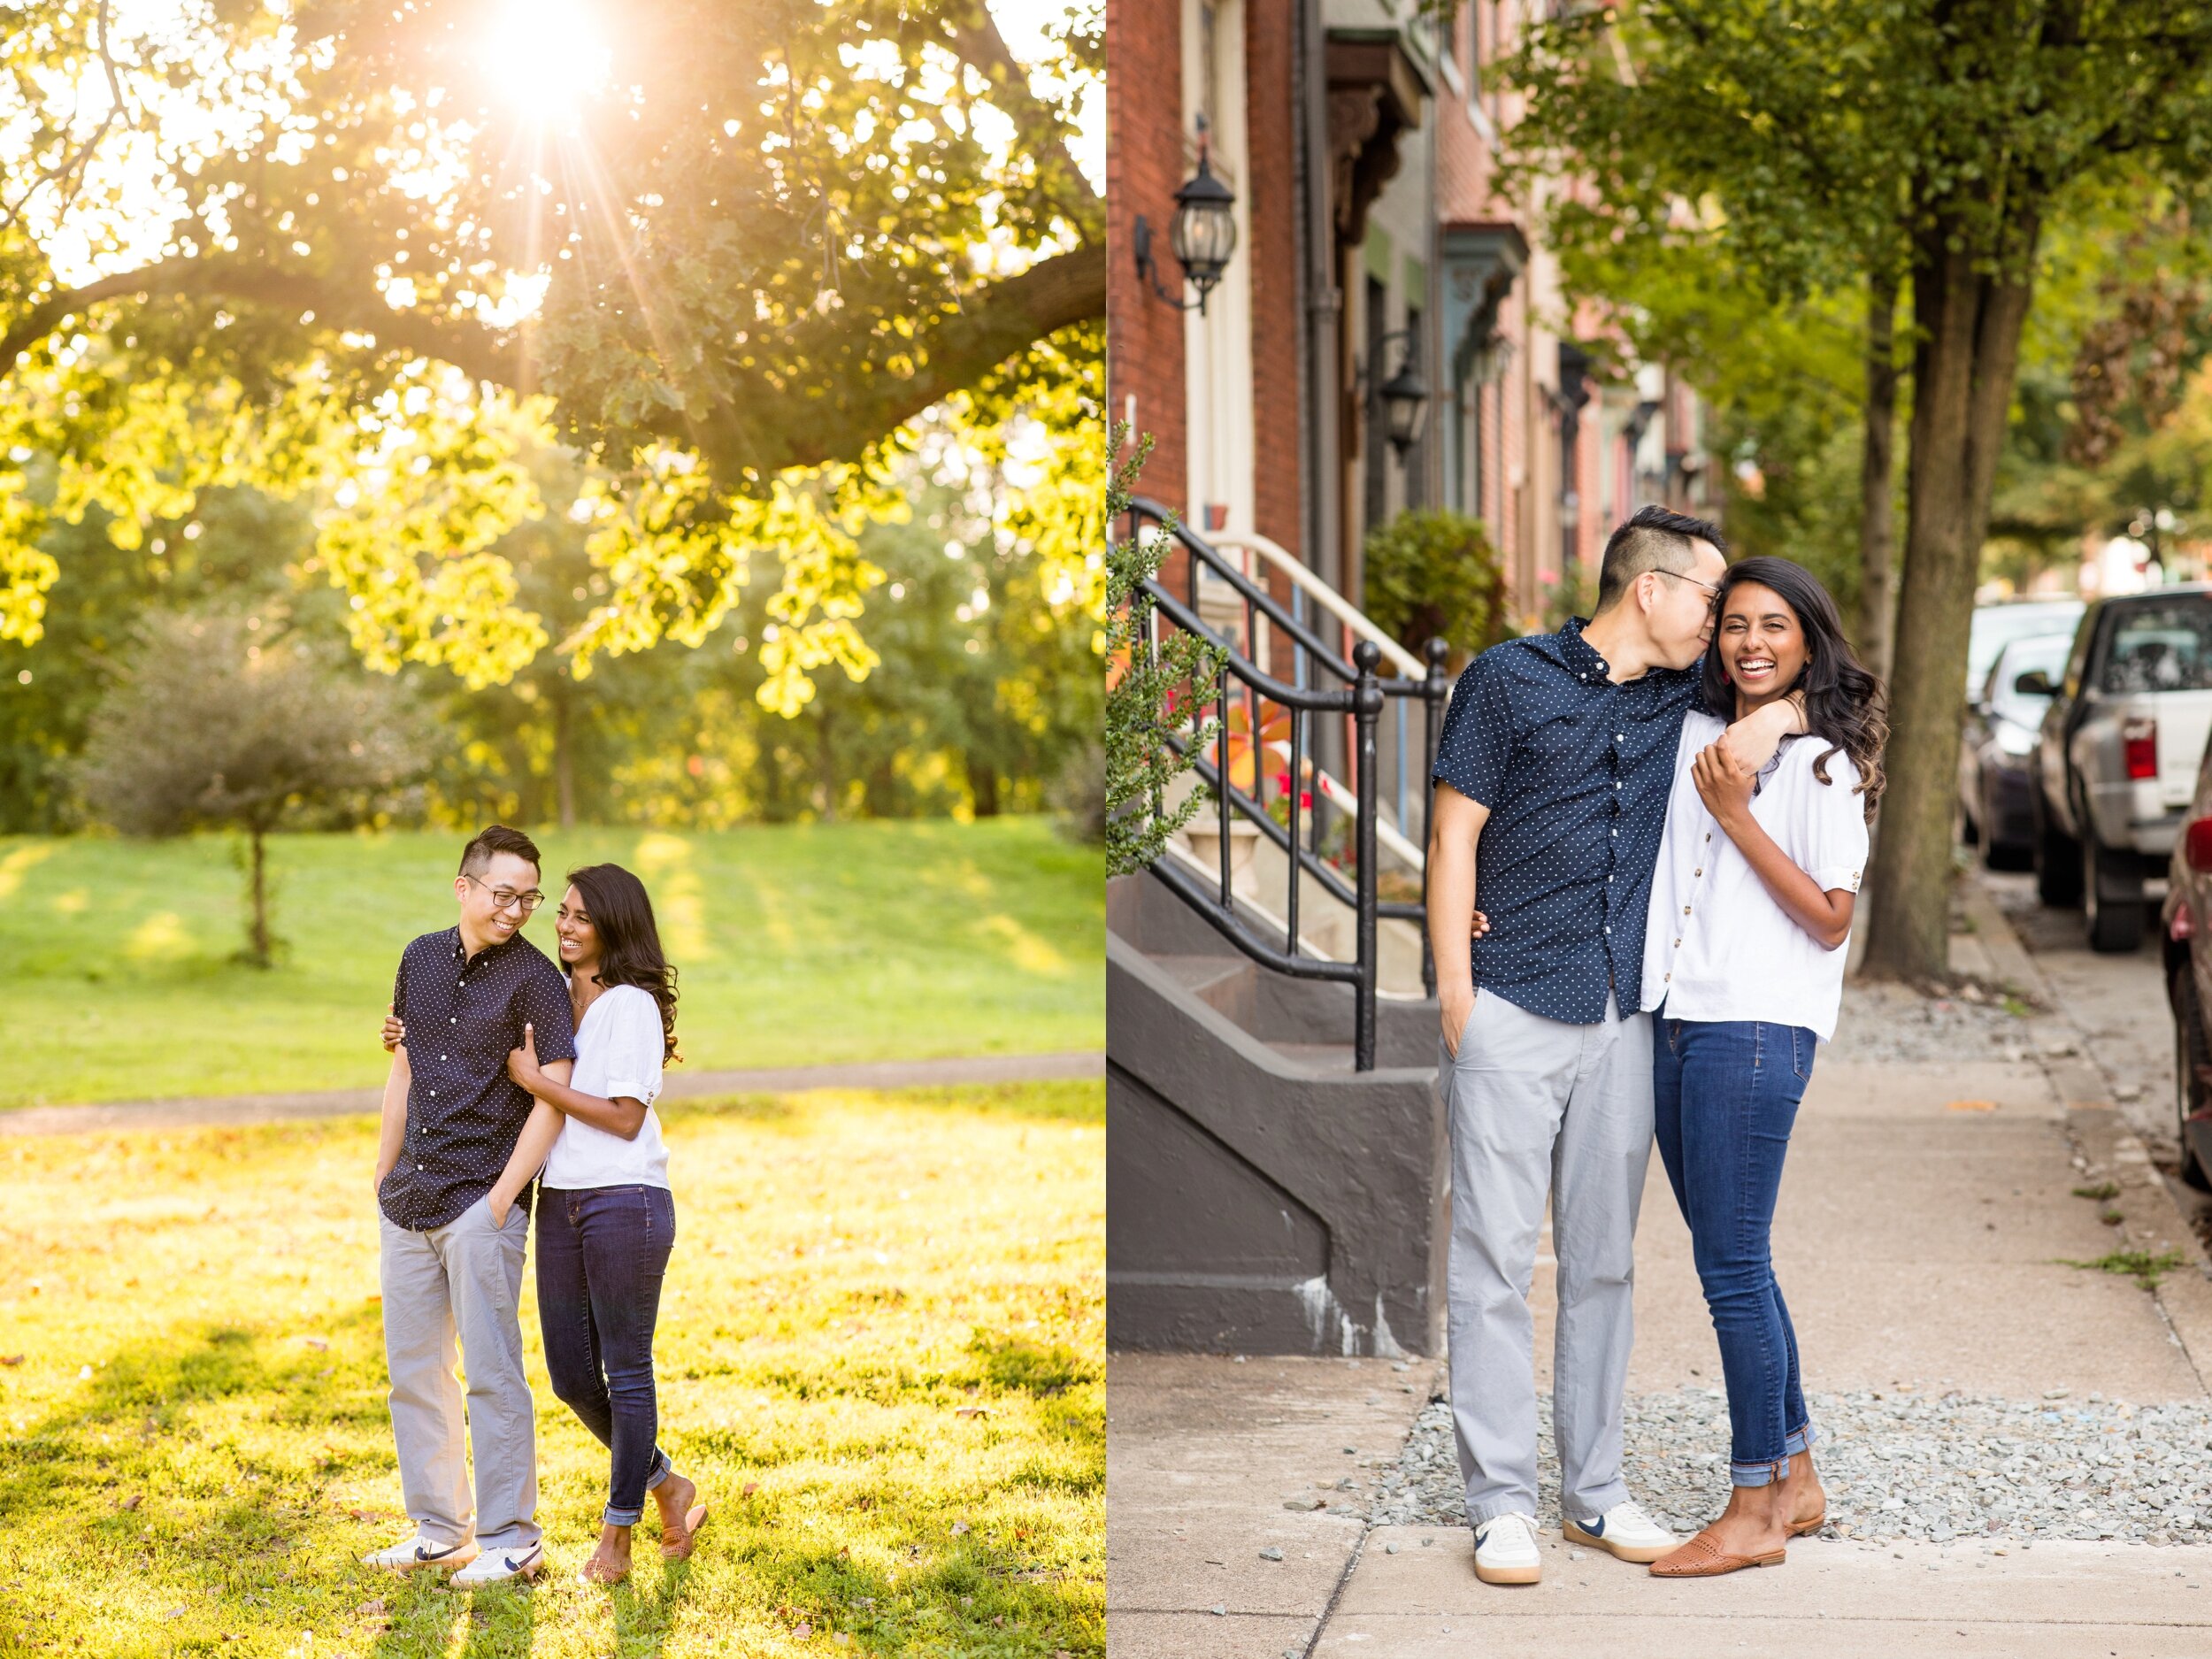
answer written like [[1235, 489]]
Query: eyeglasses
[[1712, 589], [507, 898]]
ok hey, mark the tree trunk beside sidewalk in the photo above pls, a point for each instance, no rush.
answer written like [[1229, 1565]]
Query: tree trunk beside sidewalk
[[1877, 537], [1968, 323]]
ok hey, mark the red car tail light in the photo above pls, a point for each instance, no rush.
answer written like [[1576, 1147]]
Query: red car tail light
[[2197, 844], [2139, 737]]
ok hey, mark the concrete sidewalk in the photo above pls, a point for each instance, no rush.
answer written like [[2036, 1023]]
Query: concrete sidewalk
[[1212, 1463], [1927, 1218]]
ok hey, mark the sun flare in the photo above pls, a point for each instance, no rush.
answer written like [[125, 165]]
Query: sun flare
[[548, 57]]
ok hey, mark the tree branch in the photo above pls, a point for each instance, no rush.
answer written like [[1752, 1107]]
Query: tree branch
[[992, 324], [978, 42], [953, 353], [479, 352]]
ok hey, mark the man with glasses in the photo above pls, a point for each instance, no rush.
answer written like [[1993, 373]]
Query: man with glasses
[[461, 1144], [1551, 784]]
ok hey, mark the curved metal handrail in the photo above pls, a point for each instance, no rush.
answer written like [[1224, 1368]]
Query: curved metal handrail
[[1364, 695]]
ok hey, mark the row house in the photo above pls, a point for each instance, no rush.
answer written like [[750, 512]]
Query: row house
[[1379, 278], [1324, 311]]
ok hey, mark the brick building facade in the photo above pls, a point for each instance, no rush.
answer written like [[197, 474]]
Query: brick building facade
[[1263, 410]]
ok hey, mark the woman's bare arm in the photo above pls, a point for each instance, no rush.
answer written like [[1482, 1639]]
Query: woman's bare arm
[[1725, 786]]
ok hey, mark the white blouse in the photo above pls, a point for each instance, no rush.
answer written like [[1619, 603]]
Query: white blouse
[[1717, 945], [618, 1050]]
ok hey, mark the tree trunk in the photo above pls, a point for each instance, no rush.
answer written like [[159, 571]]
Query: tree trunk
[[1969, 327], [982, 787], [259, 946], [1877, 516], [564, 766], [826, 768]]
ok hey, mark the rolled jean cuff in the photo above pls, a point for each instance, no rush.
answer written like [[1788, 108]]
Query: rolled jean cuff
[[1800, 1439], [622, 1517], [662, 1470], [1758, 1474]]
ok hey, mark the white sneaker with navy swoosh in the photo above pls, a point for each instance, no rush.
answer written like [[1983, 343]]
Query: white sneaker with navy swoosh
[[1505, 1550], [1623, 1532], [412, 1554], [496, 1565]]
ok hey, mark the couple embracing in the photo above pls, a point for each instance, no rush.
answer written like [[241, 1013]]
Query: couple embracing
[[506, 1072], [1662, 814]]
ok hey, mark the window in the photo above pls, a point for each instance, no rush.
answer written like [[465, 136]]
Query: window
[[2162, 645]]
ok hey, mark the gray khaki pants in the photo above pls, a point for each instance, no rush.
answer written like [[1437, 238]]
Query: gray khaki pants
[[1536, 1104], [461, 1279]]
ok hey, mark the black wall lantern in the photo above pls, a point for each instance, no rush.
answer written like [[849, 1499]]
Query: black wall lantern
[[1203, 235], [1404, 397]]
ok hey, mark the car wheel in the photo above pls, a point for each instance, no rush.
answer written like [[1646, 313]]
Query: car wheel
[[2002, 855], [2057, 861], [2111, 899], [2189, 1061]]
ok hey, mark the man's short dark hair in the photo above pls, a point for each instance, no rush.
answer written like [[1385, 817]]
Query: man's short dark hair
[[1655, 539], [476, 857]]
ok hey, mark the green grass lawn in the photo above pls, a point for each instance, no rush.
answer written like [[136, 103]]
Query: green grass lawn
[[881, 1355], [796, 945]]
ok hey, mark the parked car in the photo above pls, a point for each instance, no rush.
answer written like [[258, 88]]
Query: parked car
[[1999, 624], [2185, 934], [2117, 756], [1996, 777]]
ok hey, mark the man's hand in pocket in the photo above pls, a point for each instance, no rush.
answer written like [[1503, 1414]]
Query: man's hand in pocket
[[1459, 1001], [1458, 1004]]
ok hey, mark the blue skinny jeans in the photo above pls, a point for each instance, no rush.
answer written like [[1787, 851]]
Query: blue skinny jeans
[[1724, 1094], [602, 1252]]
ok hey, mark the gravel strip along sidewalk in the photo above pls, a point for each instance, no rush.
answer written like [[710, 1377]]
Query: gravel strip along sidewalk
[[1897, 1466]]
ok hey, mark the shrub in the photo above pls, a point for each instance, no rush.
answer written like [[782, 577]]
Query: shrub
[[1432, 574]]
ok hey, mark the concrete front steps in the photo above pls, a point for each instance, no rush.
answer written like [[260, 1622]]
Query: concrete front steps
[[1262, 1197]]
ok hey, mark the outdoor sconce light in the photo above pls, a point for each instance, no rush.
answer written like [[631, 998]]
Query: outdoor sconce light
[[1203, 235], [1404, 397]]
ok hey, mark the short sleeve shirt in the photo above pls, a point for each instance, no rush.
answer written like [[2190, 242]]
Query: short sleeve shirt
[[618, 1050], [1575, 769], [464, 1015], [1720, 947]]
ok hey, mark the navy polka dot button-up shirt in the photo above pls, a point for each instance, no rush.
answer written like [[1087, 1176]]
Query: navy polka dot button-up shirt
[[465, 1113], [1576, 771]]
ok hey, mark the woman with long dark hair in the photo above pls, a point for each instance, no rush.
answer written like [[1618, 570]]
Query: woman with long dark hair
[[606, 1219], [1750, 920]]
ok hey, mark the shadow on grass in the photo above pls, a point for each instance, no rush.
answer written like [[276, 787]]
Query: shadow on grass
[[424, 1607], [120, 1478]]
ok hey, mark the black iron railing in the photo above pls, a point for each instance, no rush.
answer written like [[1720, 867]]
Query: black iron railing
[[1282, 681]]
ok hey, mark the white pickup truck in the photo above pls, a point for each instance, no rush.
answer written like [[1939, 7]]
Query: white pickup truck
[[2117, 760]]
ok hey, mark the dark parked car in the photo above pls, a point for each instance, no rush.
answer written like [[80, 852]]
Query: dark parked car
[[2119, 753], [1997, 748], [2186, 935]]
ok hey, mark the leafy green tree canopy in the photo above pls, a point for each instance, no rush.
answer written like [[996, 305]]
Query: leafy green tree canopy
[[360, 252]]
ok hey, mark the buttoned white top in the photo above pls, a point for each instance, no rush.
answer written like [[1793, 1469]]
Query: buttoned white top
[[618, 1052], [1717, 945]]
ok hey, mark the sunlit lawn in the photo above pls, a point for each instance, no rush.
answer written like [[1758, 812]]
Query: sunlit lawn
[[796, 945], [884, 1322]]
